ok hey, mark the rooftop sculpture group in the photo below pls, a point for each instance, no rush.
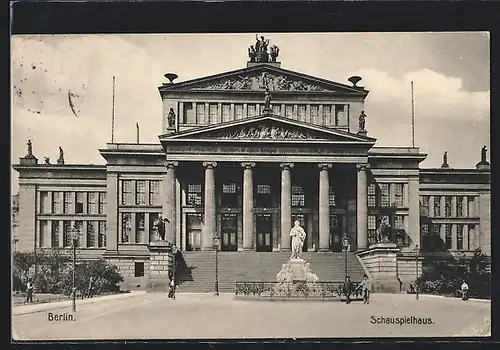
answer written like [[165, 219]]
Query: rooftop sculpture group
[[259, 51]]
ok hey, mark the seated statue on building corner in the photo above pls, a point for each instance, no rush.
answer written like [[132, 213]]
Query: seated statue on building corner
[[298, 236], [160, 227], [384, 231]]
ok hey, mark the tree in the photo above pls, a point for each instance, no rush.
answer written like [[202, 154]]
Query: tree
[[22, 263]]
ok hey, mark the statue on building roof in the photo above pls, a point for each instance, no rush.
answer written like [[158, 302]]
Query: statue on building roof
[[252, 53], [259, 52], [30, 148], [47, 160], [267, 100], [61, 156], [275, 51], [445, 160], [171, 118], [483, 154], [362, 121]]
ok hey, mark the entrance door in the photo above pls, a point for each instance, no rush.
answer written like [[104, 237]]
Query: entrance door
[[229, 239], [336, 232], [264, 228], [302, 218]]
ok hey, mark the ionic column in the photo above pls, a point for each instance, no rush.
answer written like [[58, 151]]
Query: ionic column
[[324, 207], [247, 205], [362, 206], [286, 205], [169, 201], [209, 217]]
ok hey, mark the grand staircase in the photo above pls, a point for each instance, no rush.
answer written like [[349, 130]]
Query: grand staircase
[[196, 270]]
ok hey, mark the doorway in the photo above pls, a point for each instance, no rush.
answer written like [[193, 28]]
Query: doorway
[[264, 228], [229, 239]]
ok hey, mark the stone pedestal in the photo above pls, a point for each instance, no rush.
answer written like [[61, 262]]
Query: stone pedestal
[[298, 270], [160, 264], [381, 262]]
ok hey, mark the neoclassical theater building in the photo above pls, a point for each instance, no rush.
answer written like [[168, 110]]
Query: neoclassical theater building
[[242, 155]]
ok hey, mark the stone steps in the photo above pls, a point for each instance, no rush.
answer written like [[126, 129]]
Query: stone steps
[[196, 270]]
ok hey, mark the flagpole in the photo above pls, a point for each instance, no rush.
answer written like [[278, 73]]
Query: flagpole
[[137, 126], [113, 114], [412, 117]]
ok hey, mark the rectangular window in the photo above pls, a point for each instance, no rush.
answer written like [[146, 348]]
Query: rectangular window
[[437, 206], [194, 195], [277, 109], [331, 198], [140, 227], [200, 113], [43, 229], [229, 196], [460, 237], [152, 219], [126, 227], [79, 203], [139, 269], [447, 206], [44, 203], [140, 192], [79, 230], [460, 211], [372, 228], [339, 115], [372, 195], [314, 114], [251, 110], [238, 111], [67, 237], [55, 234], [189, 116], [226, 109], [398, 195], [470, 206], [68, 201], [127, 194], [424, 206], [384, 198], [91, 234], [212, 109], [92, 203], [301, 112], [447, 236], [263, 197], [154, 192], [288, 111], [102, 234], [327, 115], [399, 222], [102, 202], [298, 196], [57, 203]]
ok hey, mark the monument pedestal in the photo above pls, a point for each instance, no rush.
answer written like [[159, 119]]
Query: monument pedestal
[[160, 264], [381, 262]]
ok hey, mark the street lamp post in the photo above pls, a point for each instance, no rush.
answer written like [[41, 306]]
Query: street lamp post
[[345, 245], [417, 253], [216, 247], [75, 233]]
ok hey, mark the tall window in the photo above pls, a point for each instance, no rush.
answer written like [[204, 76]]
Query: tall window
[[263, 197], [372, 228], [372, 195], [398, 194], [189, 116], [298, 196], [92, 203], [102, 234], [301, 112], [67, 237], [424, 206], [339, 114], [398, 222], [447, 206], [140, 192], [327, 115], [102, 202], [437, 206], [68, 201], [212, 108], [200, 113], [470, 205], [238, 111], [44, 202], [79, 230], [55, 234], [194, 196], [460, 208], [126, 227], [447, 236], [277, 109], [43, 228], [229, 196], [251, 110], [288, 111], [226, 109], [152, 232], [332, 198], [79, 203], [460, 237], [384, 195], [57, 203], [91, 234], [127, 194], [140, 227], [314, 114], [154, 192]]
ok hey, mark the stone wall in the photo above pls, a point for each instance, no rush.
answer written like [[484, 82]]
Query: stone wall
[[127, 270], [381, 264]]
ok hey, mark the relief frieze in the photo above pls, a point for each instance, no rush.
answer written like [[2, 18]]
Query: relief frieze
[[265, 131]]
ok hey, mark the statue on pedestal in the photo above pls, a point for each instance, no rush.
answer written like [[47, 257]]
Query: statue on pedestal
[[61, 156], [383, 232], [171, 118], [30, 148], [267, 100], [252, 53], [298, 236], [159, 227], [275, 51], [362, 121], [47, 160], [445, 160], [483, 155]]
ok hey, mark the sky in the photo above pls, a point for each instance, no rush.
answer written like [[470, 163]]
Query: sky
[[62, 86]]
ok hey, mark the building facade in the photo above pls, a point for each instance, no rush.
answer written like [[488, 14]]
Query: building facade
[[242, 155]]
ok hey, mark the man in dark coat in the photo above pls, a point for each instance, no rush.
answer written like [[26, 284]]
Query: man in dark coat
[[348, 289]]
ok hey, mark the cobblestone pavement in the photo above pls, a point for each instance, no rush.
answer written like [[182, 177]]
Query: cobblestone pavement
[[204, 316]]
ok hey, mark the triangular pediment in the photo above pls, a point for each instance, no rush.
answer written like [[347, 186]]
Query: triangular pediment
[[268, 128], [263, 76]]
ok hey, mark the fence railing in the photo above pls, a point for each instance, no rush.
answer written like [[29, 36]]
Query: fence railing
[[289, 290]]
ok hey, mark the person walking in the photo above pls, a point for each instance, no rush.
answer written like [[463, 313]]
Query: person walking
[[171, 289], [90, 290], [348, 289], [464, 289], [29, 290], [366, 288]]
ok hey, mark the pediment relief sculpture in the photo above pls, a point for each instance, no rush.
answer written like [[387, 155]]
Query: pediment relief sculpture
[[264, 131], [262, 81]]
